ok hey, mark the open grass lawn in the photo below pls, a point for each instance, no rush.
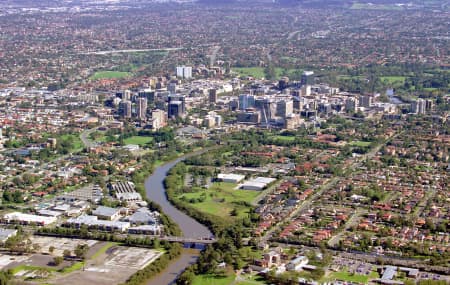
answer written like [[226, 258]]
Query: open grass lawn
[[109, 75], [360, 143], [77, 144], [221, 198], [345, 276], [368, 6], [256, 72], [138, 140], [284, 138], [213, 279], [393, 79]]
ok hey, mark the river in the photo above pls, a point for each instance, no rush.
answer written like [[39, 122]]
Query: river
[[154, 187]]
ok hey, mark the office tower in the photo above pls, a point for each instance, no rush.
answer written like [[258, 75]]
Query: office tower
[[284, 108], [246, 101], [141, 110], [419, 106], [365, 101], [180, 98], [159, 119], [351, 104], [175, 109], [307, 78], [249, 117], [147, 93], [213, 95], [184, 72], [283, 83], [125, 95], [172, 88], [125, 109]]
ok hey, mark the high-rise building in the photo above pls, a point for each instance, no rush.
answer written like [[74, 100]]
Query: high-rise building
[[175, 109], [125, 109], [285, 107], [419, 106], [172, 88], [351, 104], [126, 95], [159, 119], [180, 98], [147, 93], [213, 95], [283, 83], [307, 78], [246, 101], [184, 72], [365, 101], [141, 108]]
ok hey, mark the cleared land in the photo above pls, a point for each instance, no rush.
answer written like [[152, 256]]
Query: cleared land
[[221, 199]]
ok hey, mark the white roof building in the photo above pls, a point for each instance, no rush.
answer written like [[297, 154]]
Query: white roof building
[[17, 217], [230, 177]]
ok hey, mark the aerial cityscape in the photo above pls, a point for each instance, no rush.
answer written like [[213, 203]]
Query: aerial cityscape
[[225, 142]]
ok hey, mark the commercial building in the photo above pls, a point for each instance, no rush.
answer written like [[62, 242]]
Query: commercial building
[[141, 110], [94, 222], [230, 178], [125, 109], [106, 213], [159, 119], [258, 183], [307, 78], [297, 263], [246, 101], [26, 219], [184, 72]]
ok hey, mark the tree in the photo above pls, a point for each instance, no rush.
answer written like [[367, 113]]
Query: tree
[[81, 251], [57, 260], [51, 249], [67, 253]]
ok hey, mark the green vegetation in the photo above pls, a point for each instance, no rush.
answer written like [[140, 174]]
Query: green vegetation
[[283, 138], [360, 143], [109, 75], [213, 279], [74, 267], [370, 6], [256, 72], [346, 276], [103, 249], [221, 199], [139, 140], [393, 79]]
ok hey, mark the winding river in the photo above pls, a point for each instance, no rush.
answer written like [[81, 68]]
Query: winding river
[[154, 187]]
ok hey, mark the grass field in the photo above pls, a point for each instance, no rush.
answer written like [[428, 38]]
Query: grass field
[[284, 138], [109, 75], [393, 79], [77, 144], [360, 143], [213, 279], [138, 140], [256, 72], [368, 6], [345, 276], [221, 199]]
